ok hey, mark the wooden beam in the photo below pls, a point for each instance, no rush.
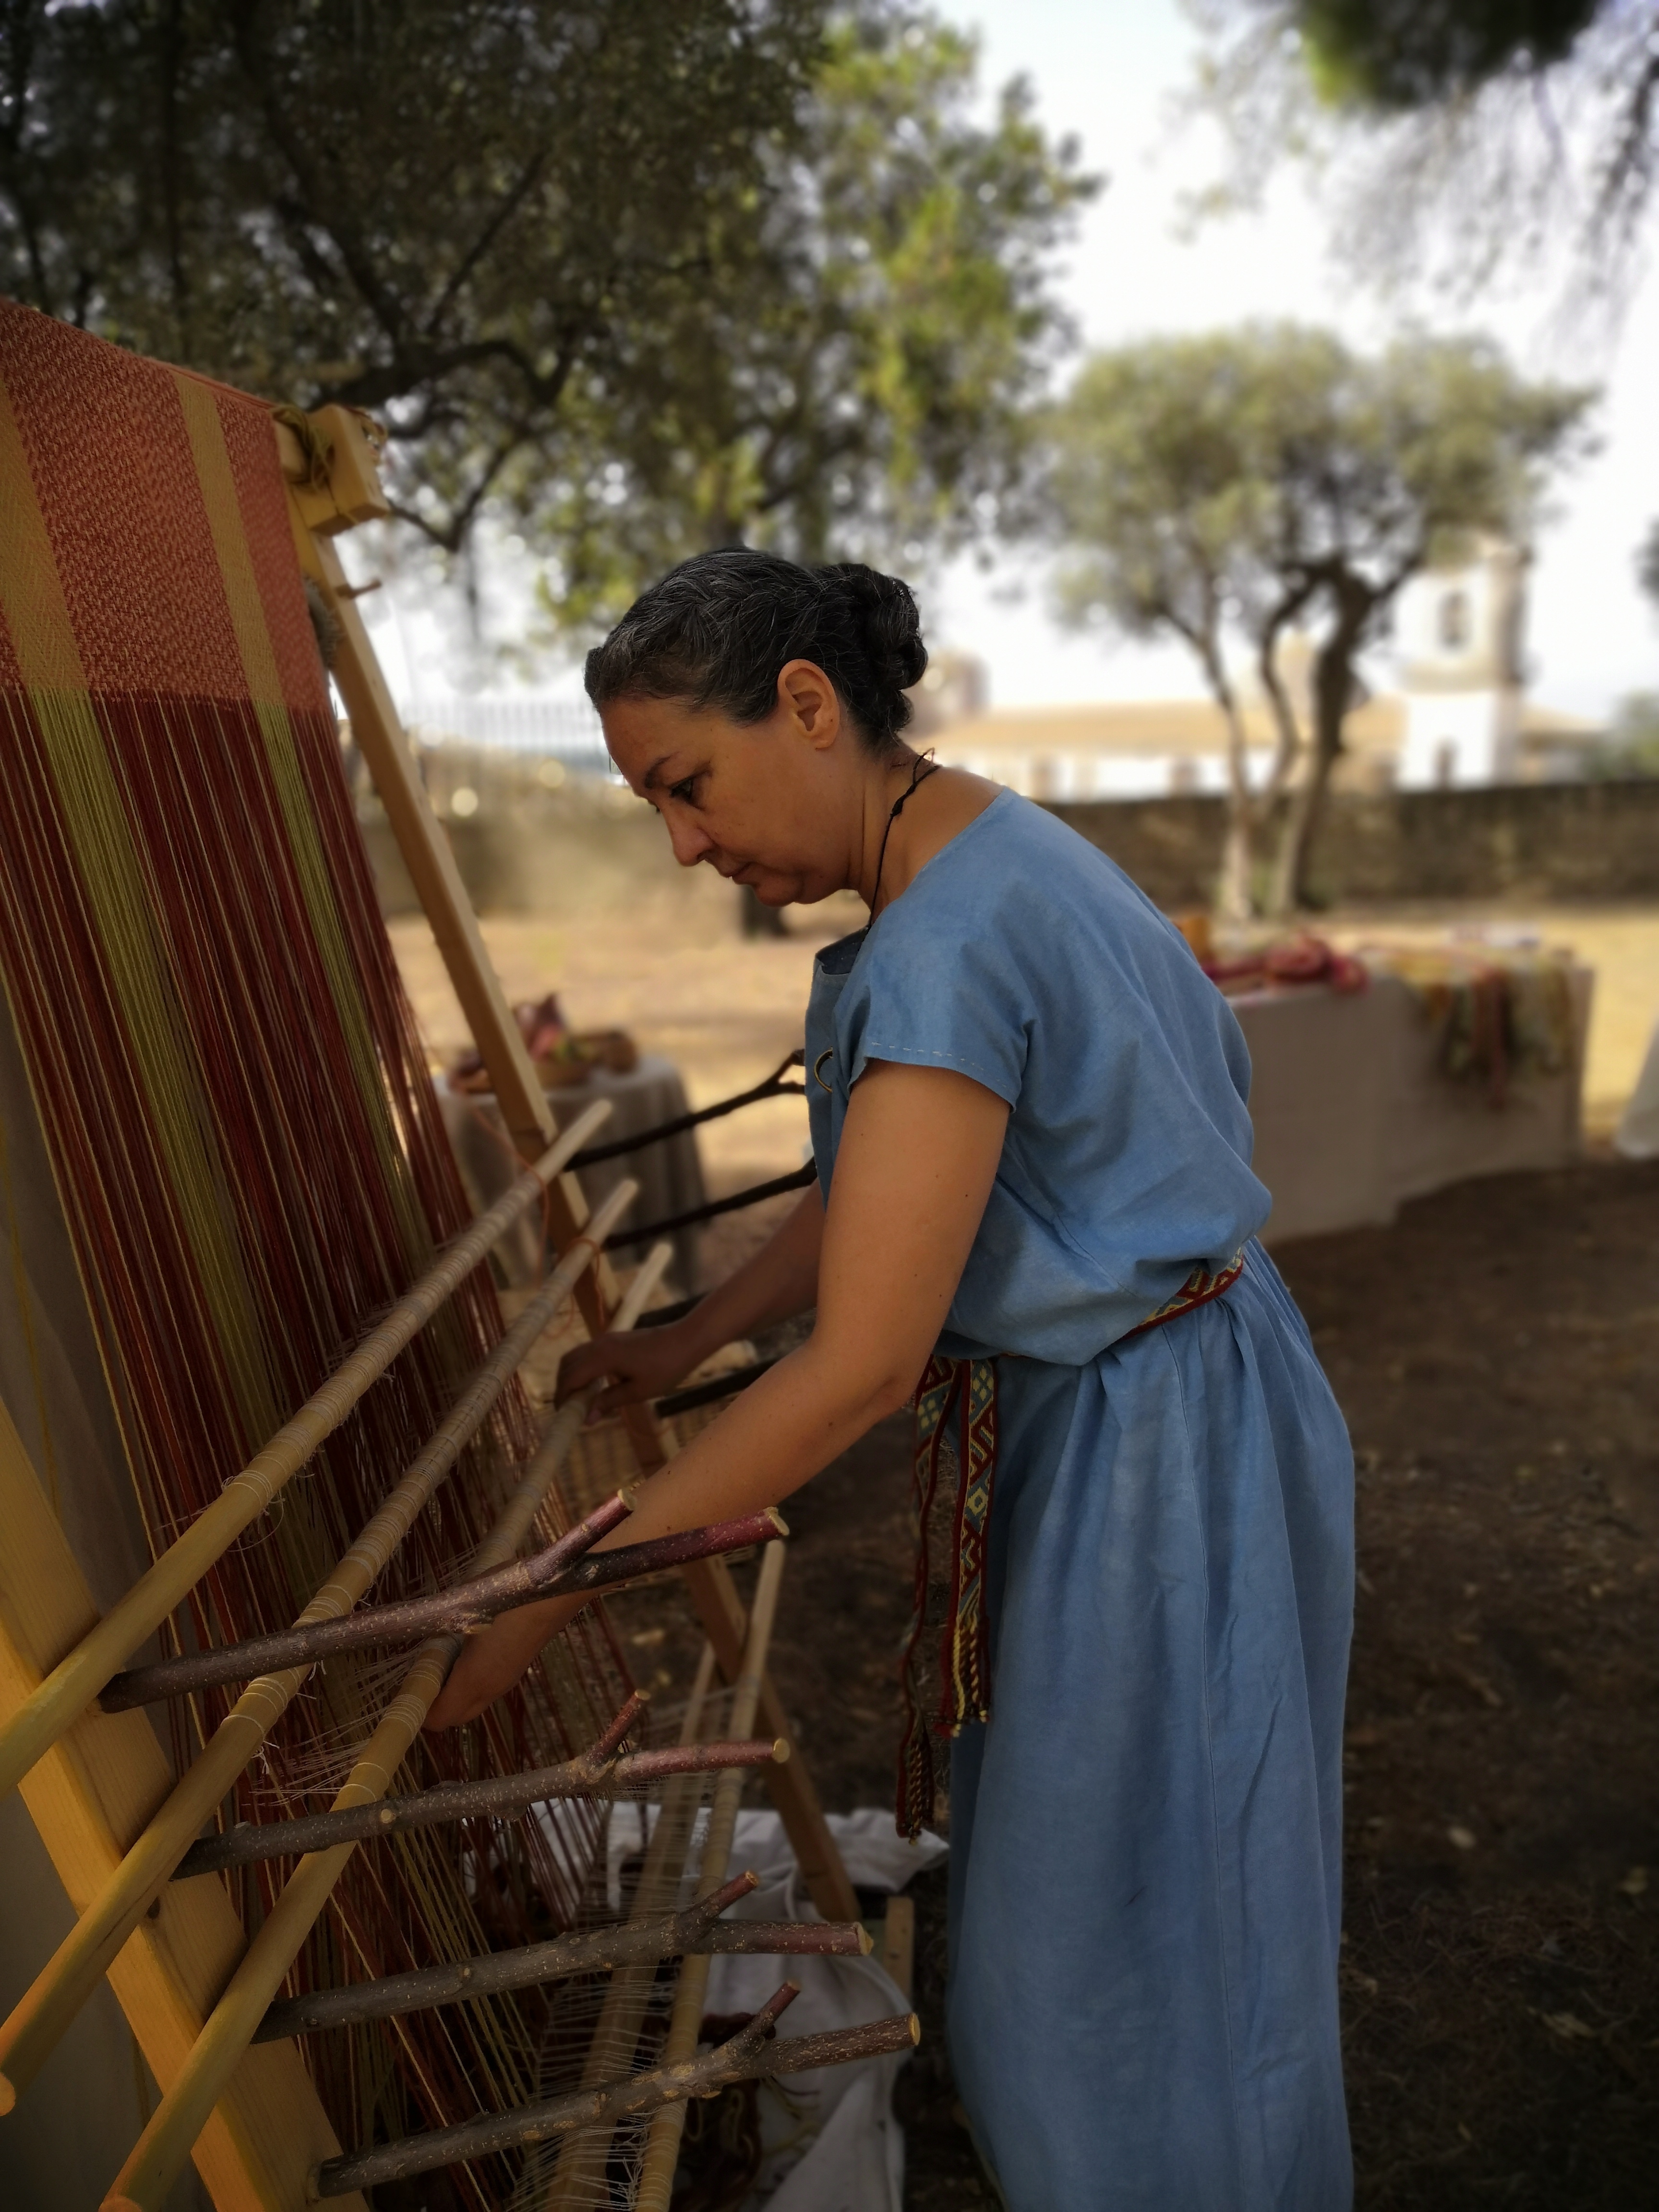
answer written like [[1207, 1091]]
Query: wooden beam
[[720, 1611], [90, 1795]]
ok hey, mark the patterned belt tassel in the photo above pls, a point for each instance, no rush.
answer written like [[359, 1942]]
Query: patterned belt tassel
[[951, 1499]]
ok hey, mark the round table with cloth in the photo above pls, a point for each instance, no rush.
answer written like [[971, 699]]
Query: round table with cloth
[[669, 1173]]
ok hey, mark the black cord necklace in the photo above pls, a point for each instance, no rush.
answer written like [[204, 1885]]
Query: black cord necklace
[[925, 766]]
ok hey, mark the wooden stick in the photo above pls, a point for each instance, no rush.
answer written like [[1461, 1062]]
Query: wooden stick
[[76, 1680], [63, 1986], [594, 1773], [748, 2055], [662, 2149], [719, 1610], [463, 1608], [579, 2169], [645, 1943]]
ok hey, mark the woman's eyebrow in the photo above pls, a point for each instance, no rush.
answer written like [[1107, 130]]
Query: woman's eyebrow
[[648, 781]]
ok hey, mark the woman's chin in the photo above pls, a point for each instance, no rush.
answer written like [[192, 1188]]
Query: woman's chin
[[775, 890]]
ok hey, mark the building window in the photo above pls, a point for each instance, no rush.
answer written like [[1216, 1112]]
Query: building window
[[1455, 621]]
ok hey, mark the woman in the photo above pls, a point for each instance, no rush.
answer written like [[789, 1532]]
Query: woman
[[1028, 1116]]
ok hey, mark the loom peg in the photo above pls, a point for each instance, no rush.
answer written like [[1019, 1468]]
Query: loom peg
[[686, 2021], [75, 1681]]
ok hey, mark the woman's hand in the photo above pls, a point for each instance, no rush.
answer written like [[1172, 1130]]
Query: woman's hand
[[641, 1362]]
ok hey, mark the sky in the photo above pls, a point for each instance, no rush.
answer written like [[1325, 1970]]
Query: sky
[[1110, 72]]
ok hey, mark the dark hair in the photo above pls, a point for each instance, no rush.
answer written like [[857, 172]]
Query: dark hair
[[716, 631]]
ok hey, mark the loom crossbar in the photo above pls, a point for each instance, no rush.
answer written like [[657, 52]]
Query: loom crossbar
[[73, 1684], [594, 1774], [671, 1936], [748, 2056], [555, 1572]]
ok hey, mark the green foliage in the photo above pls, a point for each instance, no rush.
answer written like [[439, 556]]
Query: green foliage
[[1647, 566], [854, 382], [1397, 54], [1631, 748], [644, 276], [1199, 476]]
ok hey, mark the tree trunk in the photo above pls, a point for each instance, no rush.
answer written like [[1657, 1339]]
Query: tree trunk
[[1233, 900], [1333, 689]]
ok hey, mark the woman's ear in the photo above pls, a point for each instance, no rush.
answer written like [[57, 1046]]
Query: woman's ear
[[807, 701]]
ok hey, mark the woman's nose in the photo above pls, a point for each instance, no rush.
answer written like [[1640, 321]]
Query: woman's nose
[[690, 842]]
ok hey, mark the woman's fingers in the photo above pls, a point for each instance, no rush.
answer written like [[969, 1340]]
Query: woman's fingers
[[630, 1393], [636, 1366], [583, 1362]]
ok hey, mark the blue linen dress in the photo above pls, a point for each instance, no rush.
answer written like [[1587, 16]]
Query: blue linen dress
[[1145, 1836]]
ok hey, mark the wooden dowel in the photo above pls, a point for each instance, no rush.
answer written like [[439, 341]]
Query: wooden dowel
[[63, 1986], [73, 1684], [662, 2148], [748, 2055], [461, 1609], [670, 1936], [155, 2159], [502, 1797], [579, 2169]]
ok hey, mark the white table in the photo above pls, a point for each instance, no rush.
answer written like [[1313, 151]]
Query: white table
[[1354, 1116], [669, 1173]]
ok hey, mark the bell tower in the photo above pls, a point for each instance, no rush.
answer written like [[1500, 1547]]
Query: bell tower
[[1458, 632]]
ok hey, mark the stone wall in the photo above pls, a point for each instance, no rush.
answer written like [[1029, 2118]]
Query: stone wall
[[1555, 841], [588, 852]]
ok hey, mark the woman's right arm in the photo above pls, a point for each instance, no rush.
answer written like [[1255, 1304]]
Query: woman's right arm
[[780, 1281]]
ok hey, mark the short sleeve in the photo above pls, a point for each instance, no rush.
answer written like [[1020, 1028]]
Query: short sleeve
[[926, 998]]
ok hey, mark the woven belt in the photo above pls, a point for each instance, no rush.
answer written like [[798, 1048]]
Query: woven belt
[[951, 1489]]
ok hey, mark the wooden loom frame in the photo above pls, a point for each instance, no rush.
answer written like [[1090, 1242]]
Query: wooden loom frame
[[100, 1782]]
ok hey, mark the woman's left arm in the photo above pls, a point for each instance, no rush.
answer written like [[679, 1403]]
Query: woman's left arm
[[918, 1155]]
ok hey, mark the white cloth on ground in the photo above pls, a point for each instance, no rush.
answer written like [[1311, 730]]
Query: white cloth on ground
[[831, 2143]]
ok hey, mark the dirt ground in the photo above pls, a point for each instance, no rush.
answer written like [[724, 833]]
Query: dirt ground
[[1494, 1354], [671, 968]]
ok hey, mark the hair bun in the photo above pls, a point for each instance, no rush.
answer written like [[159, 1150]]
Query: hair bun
[[889, 622]]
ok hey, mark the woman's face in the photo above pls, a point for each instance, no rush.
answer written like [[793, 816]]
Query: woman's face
[[777, 804]]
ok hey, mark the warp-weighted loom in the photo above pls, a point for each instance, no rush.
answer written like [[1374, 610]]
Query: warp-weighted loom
[[290, 1337]]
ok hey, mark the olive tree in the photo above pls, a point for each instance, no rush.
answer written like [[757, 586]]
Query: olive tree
[[1230, 486]]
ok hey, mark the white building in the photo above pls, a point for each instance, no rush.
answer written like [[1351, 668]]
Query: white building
[[1458, 638], [1460, 716]]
